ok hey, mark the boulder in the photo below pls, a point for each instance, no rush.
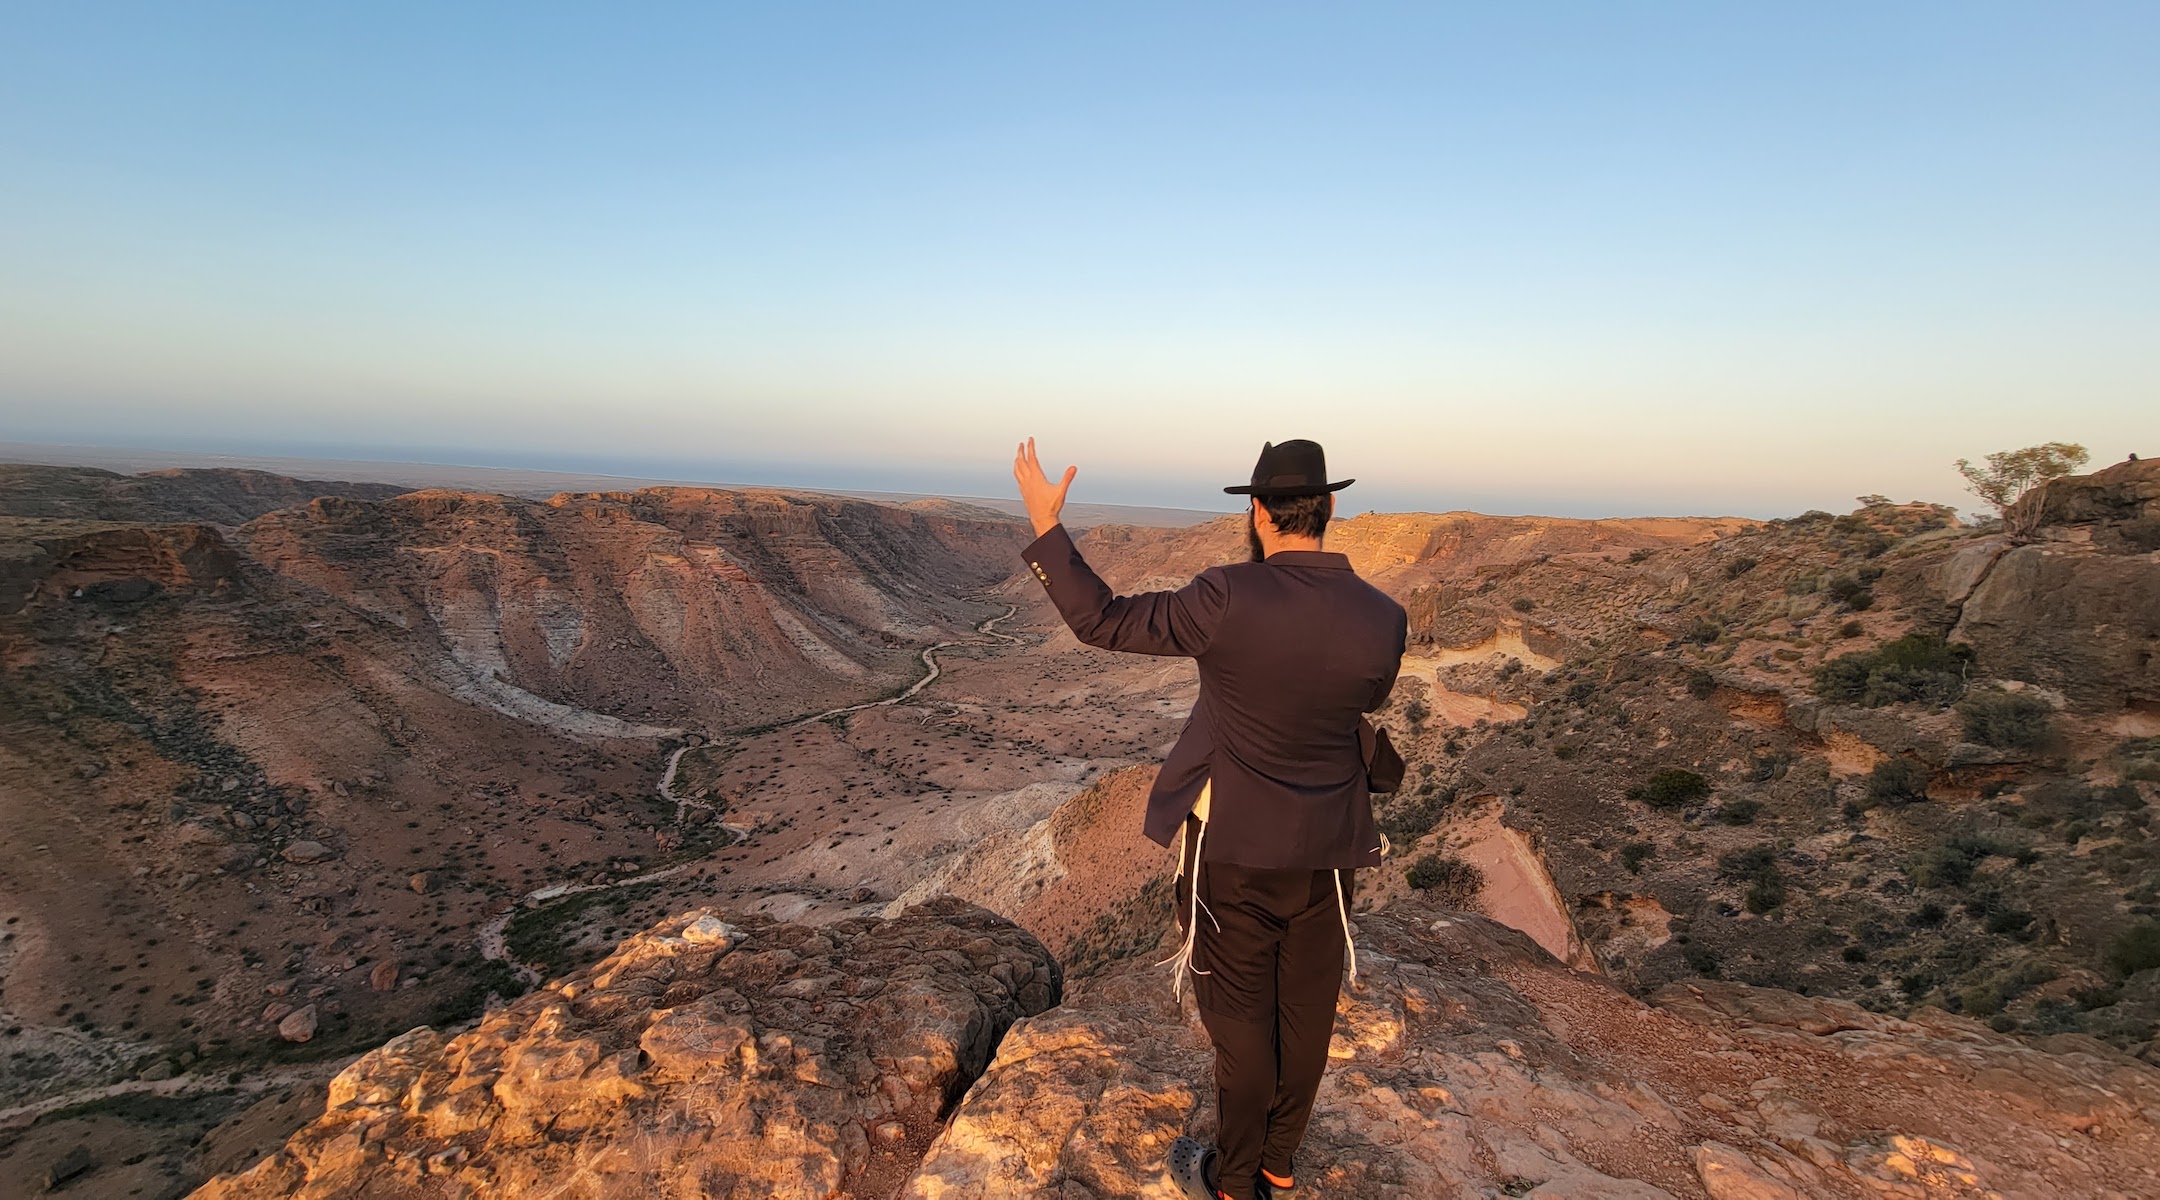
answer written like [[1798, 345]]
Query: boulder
[[298, 1025], [384, 976], [736, 1057]]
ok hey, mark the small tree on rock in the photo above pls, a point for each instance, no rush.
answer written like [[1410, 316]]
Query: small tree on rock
[[2010, 474]]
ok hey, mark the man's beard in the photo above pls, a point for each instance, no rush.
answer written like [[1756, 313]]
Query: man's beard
[[1252, 538]]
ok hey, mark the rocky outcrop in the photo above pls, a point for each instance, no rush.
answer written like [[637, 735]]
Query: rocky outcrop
[[744, 1057], [1469, 1063], [2119, 505], [2078, 609], [1474, 1065], [52, 561], [759, 1058], [222, 495]]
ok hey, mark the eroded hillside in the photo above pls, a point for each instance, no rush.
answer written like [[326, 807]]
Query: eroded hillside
[[365, 764]]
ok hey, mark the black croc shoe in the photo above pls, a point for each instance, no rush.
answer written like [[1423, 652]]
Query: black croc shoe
[[1190, 1163]]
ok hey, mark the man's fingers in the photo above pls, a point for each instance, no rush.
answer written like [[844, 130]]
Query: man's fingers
[[1065, 484]]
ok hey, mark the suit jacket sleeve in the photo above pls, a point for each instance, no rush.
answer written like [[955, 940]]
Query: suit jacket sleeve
[[1180, 623], [1387, 684]]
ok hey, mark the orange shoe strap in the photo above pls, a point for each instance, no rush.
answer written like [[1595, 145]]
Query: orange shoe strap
[[1281, 1181]]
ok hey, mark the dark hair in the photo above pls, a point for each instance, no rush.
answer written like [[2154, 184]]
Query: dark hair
[[1299, 516]]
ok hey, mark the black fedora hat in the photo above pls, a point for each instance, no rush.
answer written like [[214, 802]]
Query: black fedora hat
[[1295, 468]]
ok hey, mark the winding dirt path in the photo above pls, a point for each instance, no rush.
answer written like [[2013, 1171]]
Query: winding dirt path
[[493, 936]]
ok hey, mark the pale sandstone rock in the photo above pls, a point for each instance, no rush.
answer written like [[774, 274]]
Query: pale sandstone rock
[[685, 1064], [307, 852]]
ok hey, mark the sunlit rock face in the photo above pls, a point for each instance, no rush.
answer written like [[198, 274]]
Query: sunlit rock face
[[708, 1056], [1469, 1063]]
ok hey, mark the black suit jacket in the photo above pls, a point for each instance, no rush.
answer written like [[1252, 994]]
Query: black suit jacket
[[1292, 653]]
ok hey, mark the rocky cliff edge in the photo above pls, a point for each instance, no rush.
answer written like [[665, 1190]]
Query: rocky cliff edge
[[722, 1056]]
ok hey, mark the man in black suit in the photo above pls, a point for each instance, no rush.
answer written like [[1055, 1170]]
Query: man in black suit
[[1265, 791]]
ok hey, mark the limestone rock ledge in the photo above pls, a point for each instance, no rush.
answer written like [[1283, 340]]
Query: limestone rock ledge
[[1471, 1064], [705, 1057]]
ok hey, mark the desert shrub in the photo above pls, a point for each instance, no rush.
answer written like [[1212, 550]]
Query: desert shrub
[[1757, 865], [1701, 684], [1850, 592], [1701, 959], [1674, 788], [1954, 860], [1636, 556], [1739, 812], [1747, 863], [2006, 720], [1851, 629], [1988, 998], [2075, 803], [1803, 585], [1634, 854], [1411, 818], [1415, 713], [1765, 894], [1739, 566], [1582, 692], [1916, 667], [1702, 631], [1897, 781], [2135, 949], [1452, 881], [1522, 604], [2140, 758]]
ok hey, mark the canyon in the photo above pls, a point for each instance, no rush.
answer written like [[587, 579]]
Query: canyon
[[1734, 854]]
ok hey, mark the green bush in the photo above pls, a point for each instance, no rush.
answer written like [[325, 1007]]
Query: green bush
[[1702, 631], [1675, 788], [2135, 949], [1452, 881], [2006, 720], [1918, 667], [1701, 684], [1634, 854], [1897, 781], [1739, 566], [1522, 604]]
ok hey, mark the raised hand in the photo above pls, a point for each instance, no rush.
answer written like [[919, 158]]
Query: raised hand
[[1043, 498]]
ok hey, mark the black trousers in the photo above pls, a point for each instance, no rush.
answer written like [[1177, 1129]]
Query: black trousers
[[1268, 964]]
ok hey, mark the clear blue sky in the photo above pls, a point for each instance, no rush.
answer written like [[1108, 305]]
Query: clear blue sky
[[1595, 258]]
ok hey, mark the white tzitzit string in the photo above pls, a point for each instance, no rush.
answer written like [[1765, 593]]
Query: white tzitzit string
[[1181, 962], [1342, 907]]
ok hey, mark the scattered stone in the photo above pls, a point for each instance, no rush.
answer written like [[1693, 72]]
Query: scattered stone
[[307, 852], [385, 975], [161, 1069], [298, 1026], [69, 1165], [422, 882], [275, 1011]]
